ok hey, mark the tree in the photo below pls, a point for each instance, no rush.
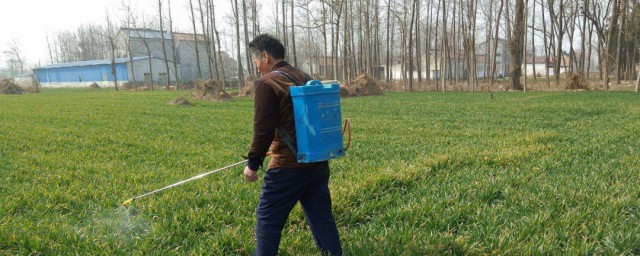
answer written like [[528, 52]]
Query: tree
[[611, 32], [293, 35], [164, 48], [239, 59], [207, 42], [15, 59], [195, 35], [495, 43], [246, 34], [130, 21], [110, 35], [414, 4], [516, 45], [173, 48]]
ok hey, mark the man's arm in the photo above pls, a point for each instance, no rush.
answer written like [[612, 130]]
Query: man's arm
[[265, 121]]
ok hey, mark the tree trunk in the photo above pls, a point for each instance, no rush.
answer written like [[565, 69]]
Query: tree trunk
[[533, 46], [239, 58], [112, 43], [217, 58], [131, 24], [545, 35], [173, 49], [495, 44], [293, 36], [324, 38], [443, 41], [285, 41], [436, 47], [623, 9], [427, 44], [207, 44], [612, 25], [417, 47], [583, 35], [164, 47], [516, 46], [388, 62], [246, 37], [410, 48], [195, 35]]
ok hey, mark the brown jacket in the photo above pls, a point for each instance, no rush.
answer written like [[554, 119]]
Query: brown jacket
[[273, 108]]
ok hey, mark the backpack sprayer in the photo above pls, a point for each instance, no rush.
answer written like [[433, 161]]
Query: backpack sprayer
[[316, 109]]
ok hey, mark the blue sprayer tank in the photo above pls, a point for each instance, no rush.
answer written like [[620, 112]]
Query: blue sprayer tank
[[318, 121]]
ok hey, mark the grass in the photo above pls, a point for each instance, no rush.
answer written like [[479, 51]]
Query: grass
[[427, 174]]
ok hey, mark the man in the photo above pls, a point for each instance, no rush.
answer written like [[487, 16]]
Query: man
[[286, 181]]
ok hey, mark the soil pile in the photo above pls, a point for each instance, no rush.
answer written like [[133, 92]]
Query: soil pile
[[8, 87], [363, 86], [179, 101], [575, 82], [249, 87], [94, 86], [210, 90]]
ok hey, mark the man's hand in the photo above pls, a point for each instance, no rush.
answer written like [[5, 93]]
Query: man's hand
[[250, 175]]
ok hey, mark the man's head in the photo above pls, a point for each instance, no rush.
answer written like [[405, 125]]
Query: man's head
[[266, 51]]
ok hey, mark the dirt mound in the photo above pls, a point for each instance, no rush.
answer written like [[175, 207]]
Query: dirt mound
[[210, 90], [94, 86], [575, 82], [363, 86], [249, 87], [8, 87], [179, 101]]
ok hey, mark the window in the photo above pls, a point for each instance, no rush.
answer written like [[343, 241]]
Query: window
[[163, 77], [147, 78]]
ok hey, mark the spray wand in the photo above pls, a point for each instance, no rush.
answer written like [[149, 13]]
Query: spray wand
[[182, 182]]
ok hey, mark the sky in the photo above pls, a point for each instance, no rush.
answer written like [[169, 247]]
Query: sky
[[29, 21]]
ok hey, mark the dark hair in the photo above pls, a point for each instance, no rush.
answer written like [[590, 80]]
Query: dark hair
[[269, 44]]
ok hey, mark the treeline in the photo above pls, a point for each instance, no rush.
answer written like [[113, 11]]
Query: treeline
[[425, 40]]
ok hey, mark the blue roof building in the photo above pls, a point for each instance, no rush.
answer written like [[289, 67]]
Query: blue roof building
[[84, 73]]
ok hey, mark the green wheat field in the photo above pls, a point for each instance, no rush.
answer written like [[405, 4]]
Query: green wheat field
[[429, 173]]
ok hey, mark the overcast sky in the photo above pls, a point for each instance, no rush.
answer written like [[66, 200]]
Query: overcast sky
[[28, 21]]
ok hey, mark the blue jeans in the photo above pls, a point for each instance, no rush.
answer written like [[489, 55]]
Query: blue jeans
[[282, 189]]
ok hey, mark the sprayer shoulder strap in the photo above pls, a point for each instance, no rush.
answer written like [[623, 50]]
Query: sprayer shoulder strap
[[282, 132], [284, 135], [288, 76]]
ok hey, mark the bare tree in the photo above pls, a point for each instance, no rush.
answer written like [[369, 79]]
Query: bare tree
[[195, 35], [218, 52], [237, 20], [16, 59], [173, 48], [612, 24], [293, 36], [130, 21], [468, 37], [246, 35], [516, 45], [110, 35], [495, 43], [388, 61], [46, 34], [622, 11], [212, 38], [164, 48], [414, 3], [207, 44]]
